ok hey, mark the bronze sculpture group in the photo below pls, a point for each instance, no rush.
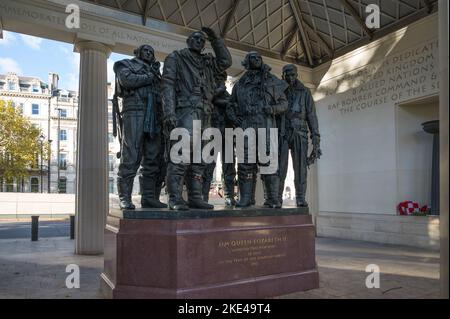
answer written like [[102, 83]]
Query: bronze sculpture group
[[192, 88]]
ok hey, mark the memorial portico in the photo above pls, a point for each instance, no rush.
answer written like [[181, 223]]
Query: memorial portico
[[102, 31], [105, 29]]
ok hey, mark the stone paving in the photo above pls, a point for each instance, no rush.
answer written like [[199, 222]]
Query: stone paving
[[37, 270], [405, 272]]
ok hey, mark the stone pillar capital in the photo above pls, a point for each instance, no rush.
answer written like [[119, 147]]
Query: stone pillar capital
[[81, 45]]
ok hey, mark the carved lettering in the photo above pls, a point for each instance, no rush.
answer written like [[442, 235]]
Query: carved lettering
[[406, 75], [253, 251]]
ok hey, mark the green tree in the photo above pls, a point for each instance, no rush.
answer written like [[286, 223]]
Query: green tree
[[20, 146]]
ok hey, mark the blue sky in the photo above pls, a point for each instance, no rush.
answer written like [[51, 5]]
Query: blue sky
[[32, 56]]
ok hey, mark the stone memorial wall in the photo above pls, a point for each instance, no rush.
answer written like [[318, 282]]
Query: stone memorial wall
[[358, 117]]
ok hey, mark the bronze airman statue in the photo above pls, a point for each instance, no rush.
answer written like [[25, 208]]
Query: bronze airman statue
[[188, 89], [299, 120], [138, 84]]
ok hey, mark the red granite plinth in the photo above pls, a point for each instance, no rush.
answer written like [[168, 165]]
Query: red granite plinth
[[213, 257]]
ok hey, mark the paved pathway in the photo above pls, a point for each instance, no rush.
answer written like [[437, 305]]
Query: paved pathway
[[37, 270], [405, 272]]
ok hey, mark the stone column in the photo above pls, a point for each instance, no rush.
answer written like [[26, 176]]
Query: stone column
[[92, 154], [432, 127], [443, 147]]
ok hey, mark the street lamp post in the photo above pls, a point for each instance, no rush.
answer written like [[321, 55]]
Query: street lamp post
[[58, 144], [49, 143], [53, 92], [58, 140], [41, 140], [49, 154]]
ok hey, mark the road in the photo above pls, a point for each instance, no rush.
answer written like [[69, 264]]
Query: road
[[12, 230]]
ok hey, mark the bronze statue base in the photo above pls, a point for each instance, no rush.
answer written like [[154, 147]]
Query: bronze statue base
[[224, 253]]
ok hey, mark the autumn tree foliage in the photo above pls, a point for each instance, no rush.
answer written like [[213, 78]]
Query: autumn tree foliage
[[20, 146]]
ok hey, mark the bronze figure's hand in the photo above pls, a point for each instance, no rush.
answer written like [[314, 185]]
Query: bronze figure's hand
[[315, 139], [170, 123], [238, 121], [315, 154], [268, 110], [155, 66], [318, 152], [210, 33]]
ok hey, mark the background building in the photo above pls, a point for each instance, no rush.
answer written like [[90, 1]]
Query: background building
[[55, 112]]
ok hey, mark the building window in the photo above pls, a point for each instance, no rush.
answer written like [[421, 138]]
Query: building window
[[62, 161], [111, 163], [63, 113], [111, 185], [9, 185], [35, 88], [35, 109], [34, 181], [20, 185], [62, 185], [12, 86], [63, 135]]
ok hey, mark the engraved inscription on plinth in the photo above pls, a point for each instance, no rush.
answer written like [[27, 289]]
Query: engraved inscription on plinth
[[252, 252]]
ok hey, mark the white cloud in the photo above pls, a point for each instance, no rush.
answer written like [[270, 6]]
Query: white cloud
[[9, 65], [75, 61], [9, 39], [64, 49], [32, 42], [72, 81], [72, 78]]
